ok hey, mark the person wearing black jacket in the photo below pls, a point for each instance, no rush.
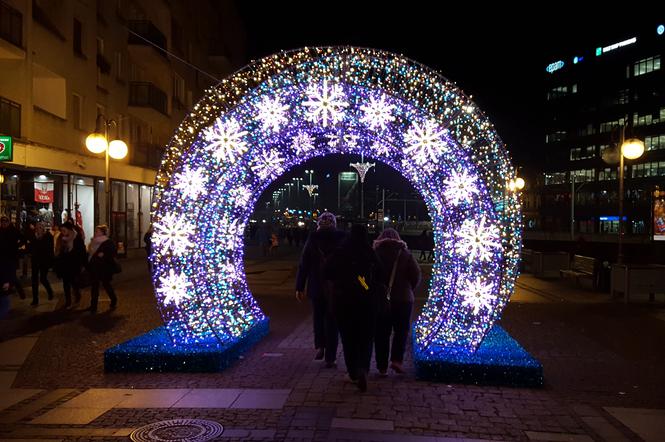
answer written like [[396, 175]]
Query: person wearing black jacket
[[393, 253], [10, 240], [70, 261], [357, 286], [318, 247], [102, 266], [41, 250]]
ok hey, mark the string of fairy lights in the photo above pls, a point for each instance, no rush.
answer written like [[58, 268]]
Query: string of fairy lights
[[285, 109]]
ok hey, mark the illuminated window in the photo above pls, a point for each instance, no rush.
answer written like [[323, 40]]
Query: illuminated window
[[655, 142], [646, 65], [608, 126], [559, 135], [555, 178], [609, 173]]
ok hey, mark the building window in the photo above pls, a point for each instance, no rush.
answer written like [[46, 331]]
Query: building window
[[119, 66], [646, 170], [582, 153], [559, 135], [77, 111], [77, 39], [609, 173], [608, 126], [11, 25], [10, 118], [583, 175], [646, 65], [623, 97], [589, 129], [557, 92], [555, 178], [655, 142]]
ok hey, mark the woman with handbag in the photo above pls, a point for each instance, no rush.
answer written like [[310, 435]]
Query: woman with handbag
[[70, 261], [399, 263], [102, 265]]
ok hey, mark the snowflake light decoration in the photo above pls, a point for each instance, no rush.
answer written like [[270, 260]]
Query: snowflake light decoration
[[272, 113], [241, 196], [302, 143], [191, 182], [268, 165], [377, 113], [477, 240], [226, 140], [173, 233], [460, 187], [424, 142], [326, 104], [477, 294], [174, 288]]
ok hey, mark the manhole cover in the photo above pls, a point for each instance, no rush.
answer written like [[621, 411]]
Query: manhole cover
[[185, 430]]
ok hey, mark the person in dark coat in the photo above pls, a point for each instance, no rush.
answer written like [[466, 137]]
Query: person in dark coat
[[357, 286], [10, 240], [318, 248], [70, 261], [147, 241], [102, 266], [41, 250], [392, 252]]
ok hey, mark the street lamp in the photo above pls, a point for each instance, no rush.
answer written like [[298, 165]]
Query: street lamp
[[631, 149], [97, 142]]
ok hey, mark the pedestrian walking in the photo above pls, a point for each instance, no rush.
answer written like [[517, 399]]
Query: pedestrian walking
[[404, 276], [10, 241], [357, 285], [42, 251], [147, 241], [70, 262], [102, 266], [319, 246]]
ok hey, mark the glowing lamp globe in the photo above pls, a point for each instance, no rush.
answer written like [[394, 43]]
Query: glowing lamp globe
[[118, 149], [519, 183], [632, 148], [96, 143]]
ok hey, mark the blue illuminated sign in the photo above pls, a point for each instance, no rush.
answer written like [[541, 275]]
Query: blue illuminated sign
[[554, 66], [577, 60], [610, 218], [660, 29]]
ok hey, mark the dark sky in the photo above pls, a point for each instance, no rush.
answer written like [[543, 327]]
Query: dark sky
[[499, 57]]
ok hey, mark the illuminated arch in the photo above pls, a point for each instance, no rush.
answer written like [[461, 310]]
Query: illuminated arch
[[290, 107]]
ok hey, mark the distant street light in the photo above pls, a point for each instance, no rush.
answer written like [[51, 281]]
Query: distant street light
[[97, 142]]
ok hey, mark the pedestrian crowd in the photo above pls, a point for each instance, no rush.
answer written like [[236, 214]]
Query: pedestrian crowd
[[63, 250], [360, 293]]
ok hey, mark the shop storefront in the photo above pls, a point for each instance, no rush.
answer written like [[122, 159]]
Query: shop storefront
[[28, 196]]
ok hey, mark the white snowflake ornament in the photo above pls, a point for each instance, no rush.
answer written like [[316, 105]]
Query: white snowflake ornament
[[173, 233], [460, 187], [226, 140], [326, 104], [174, 288], [191, 182], [425, 142], [272, 113], [477, 295], [476, 240], [377, 113], [268, 165]]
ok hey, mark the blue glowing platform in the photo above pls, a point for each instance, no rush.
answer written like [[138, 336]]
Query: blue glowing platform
[[154, 352], [500, 360]]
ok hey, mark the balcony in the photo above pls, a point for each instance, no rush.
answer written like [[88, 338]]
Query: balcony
[[11, 33], [144, 32], [144, 95], [146, 155]]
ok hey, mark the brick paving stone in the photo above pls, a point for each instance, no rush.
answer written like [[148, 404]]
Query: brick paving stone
[[587, 357]]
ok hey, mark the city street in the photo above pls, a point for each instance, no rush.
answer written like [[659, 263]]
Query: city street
[[602, 359]]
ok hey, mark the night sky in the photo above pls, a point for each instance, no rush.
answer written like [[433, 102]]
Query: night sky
[[499, 58]]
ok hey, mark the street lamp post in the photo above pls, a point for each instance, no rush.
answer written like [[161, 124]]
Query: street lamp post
[[632, 148], [97, 142]]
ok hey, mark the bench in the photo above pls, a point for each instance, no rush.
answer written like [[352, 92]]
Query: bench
[[582, 267]]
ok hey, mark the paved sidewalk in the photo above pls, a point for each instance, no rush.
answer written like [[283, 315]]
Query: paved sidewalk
[[602, 359]]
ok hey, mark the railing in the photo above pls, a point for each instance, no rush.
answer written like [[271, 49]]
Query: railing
[[148, 31], [11, 25], [144, 94]]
